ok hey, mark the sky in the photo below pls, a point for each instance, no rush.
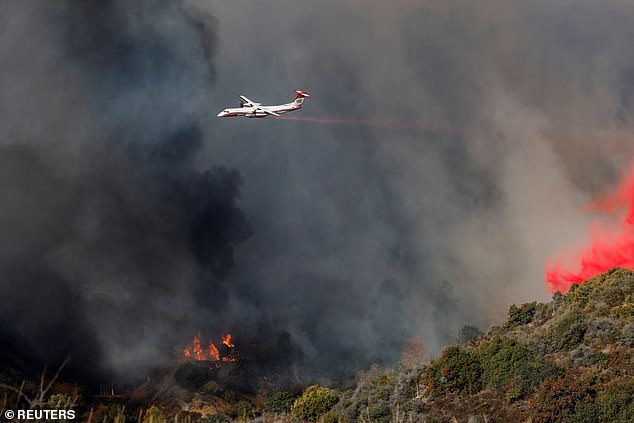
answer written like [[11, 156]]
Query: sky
[[134, 217]]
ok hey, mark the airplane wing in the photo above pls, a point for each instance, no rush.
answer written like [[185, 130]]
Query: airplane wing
[[269, 112], [248, 102]]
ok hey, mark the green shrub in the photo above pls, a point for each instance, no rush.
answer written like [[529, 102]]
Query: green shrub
[[568, 332], [332, 417], [313, 403], [154, 415], [280, 402], [521, 315], [616, 405], [614, 291], [543, 311], [215, 418], [587, 412], [529, 376], [378, 394], [240, 409], [626, 337], [582, 356], [601, 331], [457, 371], [61, 401], [500, 360], [469, 334], [623, 311], [378, 407], [587, 356], [608, 289]]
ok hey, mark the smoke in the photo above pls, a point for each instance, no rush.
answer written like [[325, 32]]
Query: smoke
[[394, 123], [537, 98], [115, 244], [132, 217]]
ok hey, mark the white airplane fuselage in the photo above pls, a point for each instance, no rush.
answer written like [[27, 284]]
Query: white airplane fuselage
[[251, 109]]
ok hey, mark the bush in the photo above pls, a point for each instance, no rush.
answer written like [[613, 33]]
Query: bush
[[377, 396], [616, 405], [601, 331], [544, 311], [529, 377], [623, 311], [582, 356], [469, 334], [456, 371], [568, 332], [61, 401], [377, 404], [240, 409], [500, 360], [614, 291], [521, 315], [154, 415], [215, 418], [332, 417], [280, 402], [560, 398], [626, 338], [313, 403], [603, 291]]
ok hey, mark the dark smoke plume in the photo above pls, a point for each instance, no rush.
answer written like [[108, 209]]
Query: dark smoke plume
[[115, 246]]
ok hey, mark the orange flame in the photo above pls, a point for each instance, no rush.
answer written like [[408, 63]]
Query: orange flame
[[227, 340], [194, 351], [197, 349], [213, 352]]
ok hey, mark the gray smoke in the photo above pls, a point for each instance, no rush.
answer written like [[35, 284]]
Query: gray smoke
[[115, 245], [131, 216], [540, 96]]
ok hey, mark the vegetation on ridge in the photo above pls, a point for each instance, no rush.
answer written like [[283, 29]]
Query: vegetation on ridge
[[570, 360]]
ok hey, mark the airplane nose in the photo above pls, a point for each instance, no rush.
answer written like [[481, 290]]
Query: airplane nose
[[221, 114]]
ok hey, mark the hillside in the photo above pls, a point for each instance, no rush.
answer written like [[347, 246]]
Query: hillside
[[568, 360]]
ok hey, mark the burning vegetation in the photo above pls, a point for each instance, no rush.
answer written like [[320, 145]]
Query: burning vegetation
[[209, 351]]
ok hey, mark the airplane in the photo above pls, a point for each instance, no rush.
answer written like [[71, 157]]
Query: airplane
[[251, 109]]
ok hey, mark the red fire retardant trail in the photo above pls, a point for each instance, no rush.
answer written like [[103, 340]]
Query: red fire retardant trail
[[610, 245], [377, 123]]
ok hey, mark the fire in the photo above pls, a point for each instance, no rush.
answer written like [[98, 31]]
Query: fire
[[197, 350], [227, 340], [611, 245], [214, 354], [226, 352]]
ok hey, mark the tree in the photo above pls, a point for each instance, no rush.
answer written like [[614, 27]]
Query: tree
[[314, 402], [469, 334]]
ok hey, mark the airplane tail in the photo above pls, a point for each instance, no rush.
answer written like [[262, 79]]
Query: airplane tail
[[301, 95]]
